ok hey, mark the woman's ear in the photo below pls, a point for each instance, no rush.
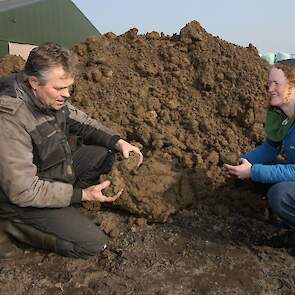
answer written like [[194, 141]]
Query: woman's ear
[[34, 83], [291, 91]]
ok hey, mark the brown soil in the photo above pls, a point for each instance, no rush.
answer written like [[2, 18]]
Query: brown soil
[[191, 101]]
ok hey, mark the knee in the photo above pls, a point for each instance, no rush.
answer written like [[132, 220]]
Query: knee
[[278, 196], [84, 248], [100, 154], [105, 163], [91, 247]]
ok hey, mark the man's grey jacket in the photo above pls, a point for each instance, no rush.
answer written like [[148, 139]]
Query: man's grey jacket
[[36, 167]]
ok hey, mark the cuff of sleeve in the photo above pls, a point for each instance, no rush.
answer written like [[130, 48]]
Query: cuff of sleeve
[[241, 160], [77, 196], [113, 142], [248, 159], [255, 173]]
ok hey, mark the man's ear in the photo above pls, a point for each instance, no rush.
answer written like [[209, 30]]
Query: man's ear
[[34, 83]]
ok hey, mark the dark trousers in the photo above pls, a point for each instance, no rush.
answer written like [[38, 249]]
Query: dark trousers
[[75, 235], [281, 199]]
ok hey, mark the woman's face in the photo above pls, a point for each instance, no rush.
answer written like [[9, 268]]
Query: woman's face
[[278, 87]]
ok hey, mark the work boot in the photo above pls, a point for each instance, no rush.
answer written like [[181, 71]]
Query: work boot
[[32, 236], [283, 240], [8, 249]]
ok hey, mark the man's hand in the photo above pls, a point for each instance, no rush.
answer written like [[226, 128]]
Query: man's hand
[[125, 148], [94, 193], [242, 171]]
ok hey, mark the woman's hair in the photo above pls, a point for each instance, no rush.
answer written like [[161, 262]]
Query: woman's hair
[[47, 56], [288, 67]]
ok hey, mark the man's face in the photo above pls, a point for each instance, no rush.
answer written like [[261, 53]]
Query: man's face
[[278, 87], [55, 91]]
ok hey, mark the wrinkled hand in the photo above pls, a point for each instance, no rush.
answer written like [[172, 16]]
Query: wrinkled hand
[[94, 193], [125, 148], [242, 171]]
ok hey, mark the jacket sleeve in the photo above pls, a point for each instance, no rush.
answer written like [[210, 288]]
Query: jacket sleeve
[[18, 174], [91, 131], [264, 153], [273, 173]]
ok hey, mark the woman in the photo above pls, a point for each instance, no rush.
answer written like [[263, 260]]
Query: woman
[[261, 165]]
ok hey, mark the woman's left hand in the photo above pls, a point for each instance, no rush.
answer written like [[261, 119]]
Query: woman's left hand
[[125, 148], [242, 171]]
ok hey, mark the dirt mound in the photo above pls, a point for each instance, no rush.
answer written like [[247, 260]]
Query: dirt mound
[[192, 100], [11, 64]]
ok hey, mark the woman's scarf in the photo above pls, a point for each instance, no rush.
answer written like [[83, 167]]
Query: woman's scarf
[[277, 124]]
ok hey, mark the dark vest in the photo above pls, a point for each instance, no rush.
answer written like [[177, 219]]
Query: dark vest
[[51, 150]]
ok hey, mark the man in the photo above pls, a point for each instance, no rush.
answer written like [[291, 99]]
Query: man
[[51, 157]]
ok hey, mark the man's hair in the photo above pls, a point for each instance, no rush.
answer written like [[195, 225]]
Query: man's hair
[[47, 56], [288, 67]]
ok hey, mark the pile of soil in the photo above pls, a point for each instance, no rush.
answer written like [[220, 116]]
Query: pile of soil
[[11, 64], [191, 101]]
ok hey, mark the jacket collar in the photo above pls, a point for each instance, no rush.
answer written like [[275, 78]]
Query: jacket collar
[[7, 85]]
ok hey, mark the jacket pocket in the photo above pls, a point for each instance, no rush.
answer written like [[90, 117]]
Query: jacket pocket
[[48, 145]]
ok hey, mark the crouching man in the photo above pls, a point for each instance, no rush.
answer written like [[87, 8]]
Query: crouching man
[[51, 157]]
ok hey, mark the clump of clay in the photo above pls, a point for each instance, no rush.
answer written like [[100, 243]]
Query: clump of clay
[[154, 190]]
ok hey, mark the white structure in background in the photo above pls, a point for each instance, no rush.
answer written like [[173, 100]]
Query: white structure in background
[[272, 57], [20, 49]]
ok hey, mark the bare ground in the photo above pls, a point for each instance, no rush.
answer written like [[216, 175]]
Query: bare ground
[[192, 102]]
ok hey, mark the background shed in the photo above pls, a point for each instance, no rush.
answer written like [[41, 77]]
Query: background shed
[[24, 23]]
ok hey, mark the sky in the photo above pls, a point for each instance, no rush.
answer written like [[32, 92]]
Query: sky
[[268, 25]]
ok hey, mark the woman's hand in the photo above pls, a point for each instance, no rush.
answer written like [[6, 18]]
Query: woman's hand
[[242, 171], [125, 148]]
